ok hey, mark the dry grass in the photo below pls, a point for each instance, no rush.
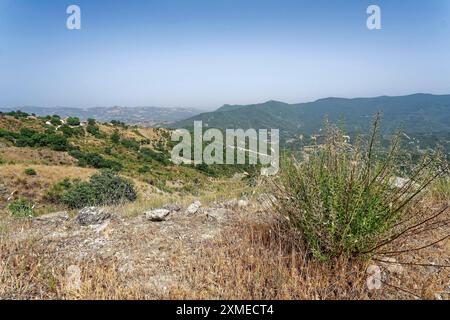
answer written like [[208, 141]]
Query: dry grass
[[18, 184], [35, 156], [254, 257], [220, 190], [254, 262]]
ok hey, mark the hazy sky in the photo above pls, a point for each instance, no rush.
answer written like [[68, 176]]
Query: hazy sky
[[205, 53]]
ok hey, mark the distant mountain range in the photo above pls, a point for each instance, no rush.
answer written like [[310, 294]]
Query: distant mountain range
[[144, 116], [417, 113]]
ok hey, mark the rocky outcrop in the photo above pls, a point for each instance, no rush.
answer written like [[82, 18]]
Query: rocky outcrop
[[172, 207], [55, 217], [193, 208], [92, 215], [157, 215]]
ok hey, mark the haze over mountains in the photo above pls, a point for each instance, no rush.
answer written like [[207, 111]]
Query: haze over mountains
[[417, 113], [144, 116]]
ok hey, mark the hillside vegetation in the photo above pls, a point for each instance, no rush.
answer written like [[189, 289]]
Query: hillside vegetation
[[424, 117], [57, 148], [95, 210]]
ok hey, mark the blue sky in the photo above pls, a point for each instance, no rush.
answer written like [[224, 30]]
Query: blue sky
[[205, 53]]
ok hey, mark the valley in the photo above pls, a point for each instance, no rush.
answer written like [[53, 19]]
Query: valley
[[97, 210]]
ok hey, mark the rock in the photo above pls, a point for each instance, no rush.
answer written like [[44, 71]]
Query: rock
[[157, 214], [391, 265], [172, 207], [217, 214], [92, 215], [400, 183], [55, 217], [239, 176], [242, 203], [73, 278], [193, 208], [230, 203], [100, 227]]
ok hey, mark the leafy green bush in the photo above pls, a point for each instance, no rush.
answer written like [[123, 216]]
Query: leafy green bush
[[92, 128], [110, 188], [115, 137], [144, 169], [346, 200], [56, 142], [149, 154], [69, 131], [55, 192], [9, 135], [21, 208], [79, 195], [56, 121], [30, 172], [130, 144], [105, 188], [94, 160], [31, 138], [17, 114], [119, 124], [73, 121]]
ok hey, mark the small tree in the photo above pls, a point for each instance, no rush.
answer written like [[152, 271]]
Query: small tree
[[73, 121], [115, 137]]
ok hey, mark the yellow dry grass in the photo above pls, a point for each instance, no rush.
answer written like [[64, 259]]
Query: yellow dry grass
[[35, 156], [18, 184], [255, 257]]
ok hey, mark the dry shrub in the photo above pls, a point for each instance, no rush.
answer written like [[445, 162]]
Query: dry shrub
[[354, 199]]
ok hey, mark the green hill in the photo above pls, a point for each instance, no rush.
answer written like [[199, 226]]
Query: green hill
[[418, 113]]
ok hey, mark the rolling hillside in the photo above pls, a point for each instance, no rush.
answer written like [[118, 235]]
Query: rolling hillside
[[418, 113]]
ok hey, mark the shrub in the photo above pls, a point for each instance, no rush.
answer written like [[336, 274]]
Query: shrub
[[56, 121], [17, 114], [71, 131], [119, 124], [30, 172], [110, 188], [73, 121], [55, 192], [144, 169], [94, 160], [21, 208], [343, 199], [130, 144], [93, 129], [115, 137], [79, 195], [8, 135], [105, 188], [149, 154]]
